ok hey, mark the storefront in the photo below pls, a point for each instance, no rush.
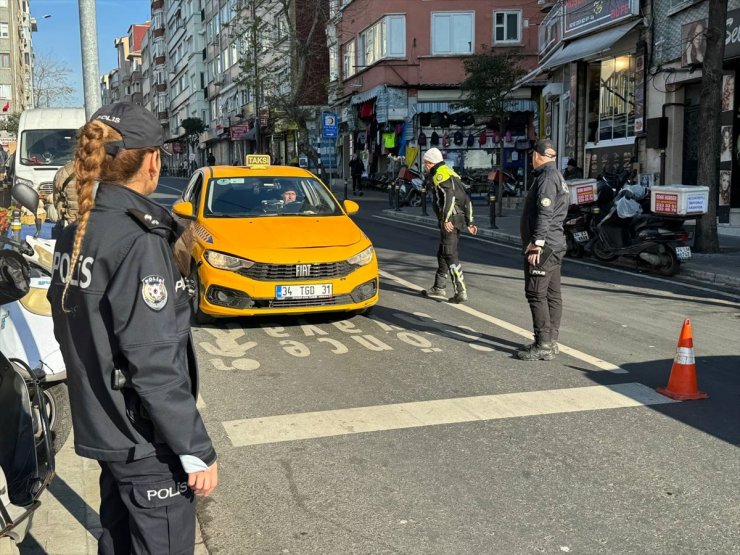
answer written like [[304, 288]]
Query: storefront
[[594, 104], [728, 205]]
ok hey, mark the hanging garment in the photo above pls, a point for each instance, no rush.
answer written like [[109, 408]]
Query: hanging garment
[[435, 139], [389, 139], [471, 139], [422, 139], [425, 119], [458, 138]]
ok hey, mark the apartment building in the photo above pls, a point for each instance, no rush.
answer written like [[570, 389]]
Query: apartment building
[[16, 56], [396, 68]]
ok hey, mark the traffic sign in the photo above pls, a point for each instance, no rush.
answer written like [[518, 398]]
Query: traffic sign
[[329, 127]]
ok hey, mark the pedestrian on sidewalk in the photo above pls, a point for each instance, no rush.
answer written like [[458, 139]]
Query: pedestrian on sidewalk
[[356, 169], [455, 214], [122, 314], [545, 209]]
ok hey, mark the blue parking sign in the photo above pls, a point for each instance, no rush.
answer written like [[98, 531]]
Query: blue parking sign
[[329, 127]]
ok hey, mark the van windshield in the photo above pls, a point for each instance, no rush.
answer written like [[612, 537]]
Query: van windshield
[[47, 147]]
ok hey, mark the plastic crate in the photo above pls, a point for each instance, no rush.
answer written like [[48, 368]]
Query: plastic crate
[[679, 200]]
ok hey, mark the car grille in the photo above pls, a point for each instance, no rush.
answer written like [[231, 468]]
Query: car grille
[[287, 272], [300, 303], [46, 188]]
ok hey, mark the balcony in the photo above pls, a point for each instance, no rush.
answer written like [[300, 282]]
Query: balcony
[[160, 60], [163, 116], [157, 4], [158, 32]]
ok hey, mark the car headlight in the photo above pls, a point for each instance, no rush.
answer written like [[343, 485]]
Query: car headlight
[[227, 262], [363, 258]]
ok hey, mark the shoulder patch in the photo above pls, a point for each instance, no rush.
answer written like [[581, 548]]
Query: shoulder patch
[[545, 202], [564, 186], [154, 292]]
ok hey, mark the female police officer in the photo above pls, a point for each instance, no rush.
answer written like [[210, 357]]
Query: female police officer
[[122, 317]]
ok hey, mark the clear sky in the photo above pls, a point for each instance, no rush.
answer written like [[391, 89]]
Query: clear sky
[[59, 35]]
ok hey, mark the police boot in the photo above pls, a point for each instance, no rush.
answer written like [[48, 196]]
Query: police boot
[[435, 292], [458, 282], [537, 351], [555, 347]]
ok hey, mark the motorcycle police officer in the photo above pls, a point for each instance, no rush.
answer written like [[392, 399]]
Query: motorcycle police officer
[[121, 314], [455, 213], [545, 210]]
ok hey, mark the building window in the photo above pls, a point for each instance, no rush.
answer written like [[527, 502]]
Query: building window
[[384, 39], [611, 99], [452, 33], [4, 59], [507, 27], [3, 3], [348, 60], [4, 91], [4, 30], [333, 62]]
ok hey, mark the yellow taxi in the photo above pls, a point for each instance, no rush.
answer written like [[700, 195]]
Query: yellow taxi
[[269, 239]]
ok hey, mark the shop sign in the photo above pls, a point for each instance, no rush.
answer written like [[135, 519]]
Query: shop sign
[[614, 160], [328, 153], [238, 132], [732, 35], [583, 16]]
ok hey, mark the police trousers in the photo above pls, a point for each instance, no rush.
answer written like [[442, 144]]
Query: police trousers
[[146, 507], [448, 260], [542, 289]]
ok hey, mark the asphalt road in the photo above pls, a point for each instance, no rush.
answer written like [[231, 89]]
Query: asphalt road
[[414, 430]]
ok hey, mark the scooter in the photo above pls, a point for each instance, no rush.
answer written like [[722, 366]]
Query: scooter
[[410, 187], [654, 242], [26, 452], [513, 185], [27, 333], [581, 223]]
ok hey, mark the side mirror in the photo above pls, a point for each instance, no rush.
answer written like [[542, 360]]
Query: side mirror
[[351, 207], [26, 196], [184, 209]]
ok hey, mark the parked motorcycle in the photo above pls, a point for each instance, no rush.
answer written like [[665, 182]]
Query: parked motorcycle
[[654, 242], [583, 218], [27, 333], [410, 185], [513, 185], [26, 452]]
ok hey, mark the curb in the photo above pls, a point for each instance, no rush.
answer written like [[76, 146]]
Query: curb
[[713, 278]]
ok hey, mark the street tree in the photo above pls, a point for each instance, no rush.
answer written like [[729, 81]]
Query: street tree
[[193, 128], [10, 122], [284, 49], [489, 79], [51, 85], [706, 239]]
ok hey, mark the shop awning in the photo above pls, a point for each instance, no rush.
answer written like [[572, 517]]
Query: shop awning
[[390, 103], [588, 47], [364, 96], [433, 107]]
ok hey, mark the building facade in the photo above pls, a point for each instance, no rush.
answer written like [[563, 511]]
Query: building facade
[[16, 56], [396, 69]]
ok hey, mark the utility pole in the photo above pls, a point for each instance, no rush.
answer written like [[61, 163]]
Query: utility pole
[[90, 65], [255, 50]]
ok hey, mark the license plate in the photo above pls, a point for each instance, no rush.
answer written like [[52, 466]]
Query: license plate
[[683, 253], [315, 291], [581, 236]]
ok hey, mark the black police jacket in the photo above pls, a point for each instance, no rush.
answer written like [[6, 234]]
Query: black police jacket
[[545, 209], [128, 309]]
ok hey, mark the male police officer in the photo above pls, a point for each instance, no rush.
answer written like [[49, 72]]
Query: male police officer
[[545, 209], [455, 213]]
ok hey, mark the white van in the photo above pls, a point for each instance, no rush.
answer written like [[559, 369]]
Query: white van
[[46, 141]]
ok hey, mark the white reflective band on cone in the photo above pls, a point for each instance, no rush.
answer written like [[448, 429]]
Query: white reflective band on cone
[[685, 355]]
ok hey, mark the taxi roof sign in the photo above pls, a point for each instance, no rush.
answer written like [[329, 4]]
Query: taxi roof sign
[[258, 160]]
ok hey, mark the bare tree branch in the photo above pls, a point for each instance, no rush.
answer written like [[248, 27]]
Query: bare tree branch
[[50, 80]]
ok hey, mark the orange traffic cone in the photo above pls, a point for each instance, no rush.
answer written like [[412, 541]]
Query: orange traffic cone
[[682, 383]]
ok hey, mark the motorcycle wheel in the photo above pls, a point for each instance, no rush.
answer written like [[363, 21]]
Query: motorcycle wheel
[[415, 199], [199, 316], [601, 253], [671, 267], [56, 400]]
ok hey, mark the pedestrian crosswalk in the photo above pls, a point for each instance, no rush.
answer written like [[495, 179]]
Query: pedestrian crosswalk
[[312, 425]]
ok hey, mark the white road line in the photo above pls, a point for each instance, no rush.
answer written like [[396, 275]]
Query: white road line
[[311, 425], [682, 284], [597, 362]]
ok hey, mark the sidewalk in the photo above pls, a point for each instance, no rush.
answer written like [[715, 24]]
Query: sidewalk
[[721, 269], [67, 522]]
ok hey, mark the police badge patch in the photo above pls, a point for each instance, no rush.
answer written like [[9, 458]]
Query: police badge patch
[[545, 202], [154, 292]]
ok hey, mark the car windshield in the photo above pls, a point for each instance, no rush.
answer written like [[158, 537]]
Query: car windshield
[[47, 147], [252, 197]]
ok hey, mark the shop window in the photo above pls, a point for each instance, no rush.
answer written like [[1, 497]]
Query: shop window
[[611, 99], [452, 33], [4, 30], [507, 27]]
